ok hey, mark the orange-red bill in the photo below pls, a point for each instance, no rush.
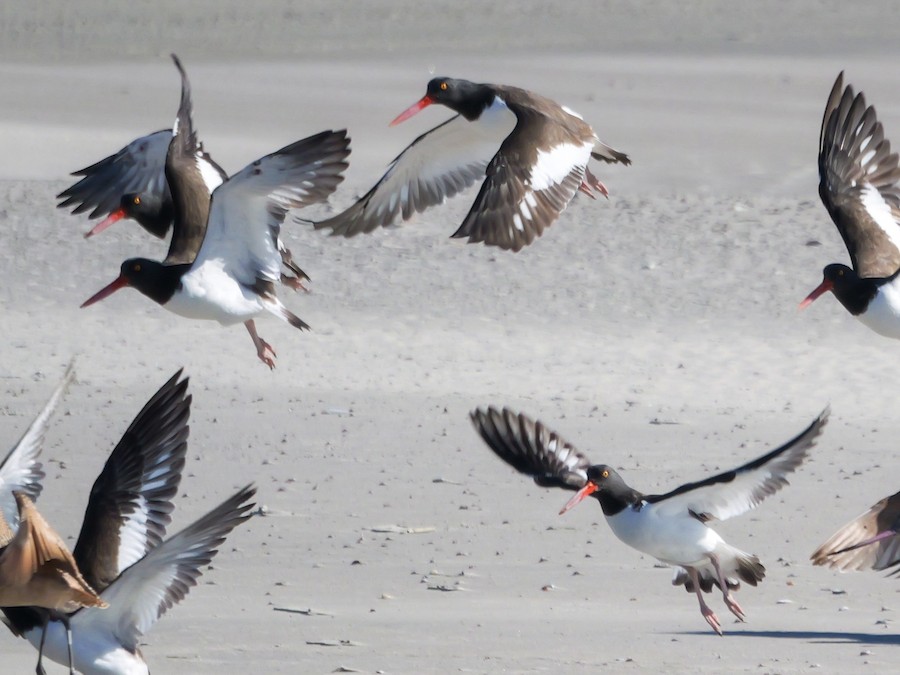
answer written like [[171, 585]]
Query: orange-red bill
[[589, 489], [424, 102], [113, 217], [824, 287], [105, 292]]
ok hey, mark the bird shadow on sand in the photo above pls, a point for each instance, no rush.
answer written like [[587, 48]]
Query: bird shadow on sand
[[817, 637]]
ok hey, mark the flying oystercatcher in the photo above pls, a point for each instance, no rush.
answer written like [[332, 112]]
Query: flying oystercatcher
[[542, 161], [232, 278], [135, 184], [858, 183]]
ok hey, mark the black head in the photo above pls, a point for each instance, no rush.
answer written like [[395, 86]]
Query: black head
[[467, 98], [151, 211], [155, 280], [853, 292], [607, 487]]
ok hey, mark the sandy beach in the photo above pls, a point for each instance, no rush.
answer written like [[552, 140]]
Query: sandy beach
[[658, 331]]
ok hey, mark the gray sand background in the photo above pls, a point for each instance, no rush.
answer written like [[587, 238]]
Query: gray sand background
[[657, 331]]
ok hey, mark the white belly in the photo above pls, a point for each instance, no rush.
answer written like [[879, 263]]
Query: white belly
[[93, 654], [208, 292], [883, 313], [674, 541]]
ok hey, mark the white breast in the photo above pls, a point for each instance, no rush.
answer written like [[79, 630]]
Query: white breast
[[883, 313], [209, 292], [675, 541]]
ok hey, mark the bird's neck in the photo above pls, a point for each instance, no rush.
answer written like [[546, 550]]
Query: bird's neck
[[160, 282], [856, 294], [616, 501]]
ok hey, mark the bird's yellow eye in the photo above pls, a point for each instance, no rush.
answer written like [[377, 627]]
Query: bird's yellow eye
[[605, 473], [840, 273], [443, 86], [137, 267], [136, 200]]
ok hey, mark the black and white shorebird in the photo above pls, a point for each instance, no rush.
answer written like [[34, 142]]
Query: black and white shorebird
[[134, 184], [870, 541], [122, 548], [232, 277], [672, 527], [36, 567], [531, 154], [858, 183]]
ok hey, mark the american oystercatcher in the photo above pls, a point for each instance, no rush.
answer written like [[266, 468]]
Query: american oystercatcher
[[36, 567], [672, 527], [542, 161], [232, 278], [871, 541], [121, 547], [858, 183], [135, 184]]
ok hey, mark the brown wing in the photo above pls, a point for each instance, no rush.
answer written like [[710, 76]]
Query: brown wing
[[858, 177], [526, 189]]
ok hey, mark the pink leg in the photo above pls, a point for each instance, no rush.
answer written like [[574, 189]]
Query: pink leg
[[705, 609], [730, 602], [591, 182], [263, 349], [294, 283]]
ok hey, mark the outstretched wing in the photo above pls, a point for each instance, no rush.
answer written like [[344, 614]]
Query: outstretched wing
[[21, 471], [130, 505], [162, 578], [247, 210], [531, 448], [437, 165], [737, 491], [858, 177]]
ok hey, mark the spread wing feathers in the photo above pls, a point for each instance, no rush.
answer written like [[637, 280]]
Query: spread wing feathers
[[517, 201], [858, 177], [138, 167], [871, 541], [437, 165], [162, 578], [531, 448], [130, 505], [21, 471], [247, 211], [737, 491]]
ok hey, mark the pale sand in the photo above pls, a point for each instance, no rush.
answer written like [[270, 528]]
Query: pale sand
[[673, 302]]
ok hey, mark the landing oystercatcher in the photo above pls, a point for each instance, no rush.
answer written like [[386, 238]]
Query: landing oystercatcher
[[870, 541], [672, 527], [121, 547], [542, 161], [858, 184], [231, 279]]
